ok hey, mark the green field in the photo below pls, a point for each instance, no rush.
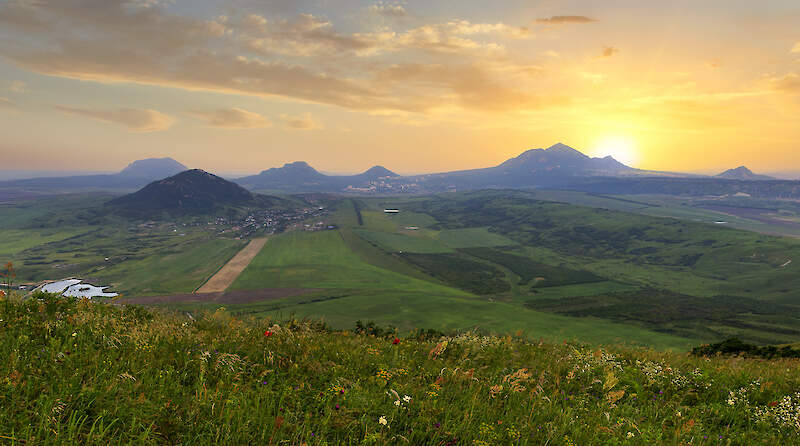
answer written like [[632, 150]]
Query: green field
[[323, 260], [498, 261], [393, 242], [52, 238], [472, 238]]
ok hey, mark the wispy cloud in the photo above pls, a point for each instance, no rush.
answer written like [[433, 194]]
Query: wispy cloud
[[565, 20], [18, 87], [136, 120], [7, 103], [300, 122], [389, 9], [789, 83], [232, 118]]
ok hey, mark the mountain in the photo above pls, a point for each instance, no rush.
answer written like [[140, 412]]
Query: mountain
[[134, 176], [153, 168], [742, 173], [564, 157], [373, 173], [193, 192], [300, 177]]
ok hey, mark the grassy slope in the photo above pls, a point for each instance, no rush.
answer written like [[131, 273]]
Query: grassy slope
[[80, 373], [325, 260], [472, 238]]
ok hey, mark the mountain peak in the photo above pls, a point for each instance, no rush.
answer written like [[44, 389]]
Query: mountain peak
[[563, 148], [153, 168], [190, 192], [378, 172], [742, 173]]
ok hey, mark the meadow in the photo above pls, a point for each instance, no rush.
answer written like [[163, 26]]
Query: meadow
[[74, 372]]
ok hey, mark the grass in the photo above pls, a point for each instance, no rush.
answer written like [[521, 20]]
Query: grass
[[13, 241], [181, 270], [323, 260], [403, 243], [80, 373], [473, 238]]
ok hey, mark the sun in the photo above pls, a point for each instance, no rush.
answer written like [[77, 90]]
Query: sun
[[623, 149]]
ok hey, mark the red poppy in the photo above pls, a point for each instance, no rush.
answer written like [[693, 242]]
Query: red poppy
[[396, 341], [773, 404], [267, 333]]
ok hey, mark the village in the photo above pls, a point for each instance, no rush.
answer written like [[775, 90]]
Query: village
[[270, 221]]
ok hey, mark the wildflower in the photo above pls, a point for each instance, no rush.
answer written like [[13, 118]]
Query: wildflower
[[337, 407], [382, 421], [74, 334], [630, 434], [397, 403], [396, 341], [267, 333], [407, 398]]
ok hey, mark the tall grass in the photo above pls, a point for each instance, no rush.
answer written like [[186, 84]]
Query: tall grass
[[76, 372]]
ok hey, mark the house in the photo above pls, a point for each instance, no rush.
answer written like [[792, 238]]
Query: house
[[391, 211]]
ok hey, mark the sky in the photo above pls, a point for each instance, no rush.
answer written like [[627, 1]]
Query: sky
[[416, 86]]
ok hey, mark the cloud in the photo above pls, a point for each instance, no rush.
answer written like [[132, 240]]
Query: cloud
[[789, 83], [301, 122], [17, 87], [136, 120], [6, 103], [303, 58], [608, 51], [233, 118], [565, 20], [391, 10], [796, 48]]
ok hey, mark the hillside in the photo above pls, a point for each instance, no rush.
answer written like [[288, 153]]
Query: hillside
[[193, 192], [81, 373]]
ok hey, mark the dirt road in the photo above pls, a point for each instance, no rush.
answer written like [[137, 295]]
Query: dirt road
[[228, 274]]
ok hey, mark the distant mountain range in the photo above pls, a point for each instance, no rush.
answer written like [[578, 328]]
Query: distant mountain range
[[192, 192], [134, 176], [556, 167]]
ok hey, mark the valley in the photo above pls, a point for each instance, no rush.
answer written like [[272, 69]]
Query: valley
[[555, 265]]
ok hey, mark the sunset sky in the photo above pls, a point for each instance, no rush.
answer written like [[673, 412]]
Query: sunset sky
[[416, 86]]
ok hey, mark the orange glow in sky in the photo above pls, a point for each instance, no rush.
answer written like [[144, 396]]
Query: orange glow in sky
[[244, 85]]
